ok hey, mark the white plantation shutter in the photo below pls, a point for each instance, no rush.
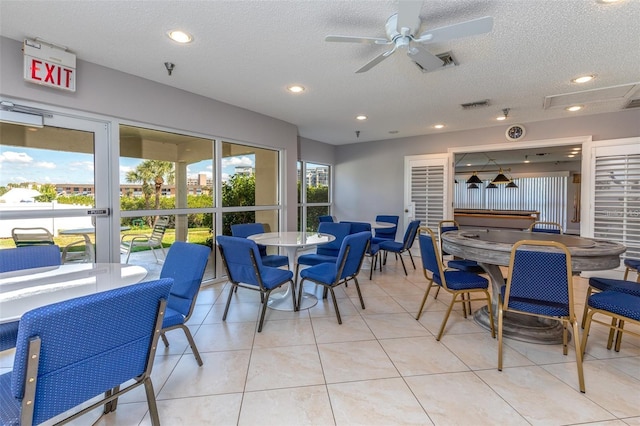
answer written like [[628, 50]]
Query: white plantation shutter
[[616, 197], [425, 189]]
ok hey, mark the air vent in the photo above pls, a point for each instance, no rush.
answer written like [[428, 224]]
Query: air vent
[[447, 58], [476, 104], [633, 103], [612, 93]]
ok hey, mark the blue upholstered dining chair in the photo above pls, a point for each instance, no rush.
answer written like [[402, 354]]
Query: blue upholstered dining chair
[[458, 283], [70, 352], [632, 265], [325, 252], [25, 257], [460, 264], [546, 227], [385, 234], [185, 264], [325, 218], [346, 268], [540, 284], [373, 250], [399, 247], [620, 307], [245, 230], [242, 261]]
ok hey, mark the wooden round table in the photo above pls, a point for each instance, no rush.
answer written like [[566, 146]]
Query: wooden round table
[[492, 249]]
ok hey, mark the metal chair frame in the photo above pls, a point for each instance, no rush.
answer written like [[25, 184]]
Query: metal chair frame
[[616, 326]]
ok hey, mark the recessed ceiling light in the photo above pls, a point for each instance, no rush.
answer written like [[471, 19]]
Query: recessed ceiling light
[[607, 1], [501, 118], [180, 36], [574, 108], [295, 88], [361, 117], [393, 132], [438, 126], [583, 79]]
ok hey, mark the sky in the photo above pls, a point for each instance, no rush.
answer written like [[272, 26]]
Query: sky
[[19, 164]]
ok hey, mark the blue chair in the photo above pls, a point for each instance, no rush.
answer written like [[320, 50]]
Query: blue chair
[[632, 265], [242, 261], [385, 234], [373, 249], [325, 218], [325, 252], [456, 282], [540, 284], [346, 268], [399, 247], [546, 227], [617, 305], [460, 264], [24, 257], [185, 264], [72, 351], [245, 230]]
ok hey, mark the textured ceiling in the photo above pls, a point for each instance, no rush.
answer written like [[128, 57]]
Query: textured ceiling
[[245, 53]]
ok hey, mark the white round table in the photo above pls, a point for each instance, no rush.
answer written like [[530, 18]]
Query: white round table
[[291, 241], [27, 289]]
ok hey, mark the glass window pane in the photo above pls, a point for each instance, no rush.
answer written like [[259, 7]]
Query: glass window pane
[[317, 181], [312, 216], [249, 176], [270, 219]]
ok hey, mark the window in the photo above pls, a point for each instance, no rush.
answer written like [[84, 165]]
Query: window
[[314, 194]]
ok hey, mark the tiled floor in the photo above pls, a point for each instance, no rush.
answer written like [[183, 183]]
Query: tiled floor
[[380, 367]]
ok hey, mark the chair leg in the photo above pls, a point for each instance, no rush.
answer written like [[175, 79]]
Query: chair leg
[[412, 262], [586, 306], [424, 299], [577, 345], [490, 309], [335, 304], [585, 332], [619, 335], [464, 304], [612, 332], [403, 267], [226, 308], [164, 339], [151, 402], [446, 317], [500, 314], [192, 343], [355, 280], [264, 310], [296, 306]]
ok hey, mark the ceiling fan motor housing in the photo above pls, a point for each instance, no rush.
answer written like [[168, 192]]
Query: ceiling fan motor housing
[[393, 32]]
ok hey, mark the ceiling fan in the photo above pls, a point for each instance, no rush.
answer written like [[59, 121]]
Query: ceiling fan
[[401, 29]]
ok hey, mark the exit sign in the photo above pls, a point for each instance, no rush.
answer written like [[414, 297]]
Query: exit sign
[[50, 66]]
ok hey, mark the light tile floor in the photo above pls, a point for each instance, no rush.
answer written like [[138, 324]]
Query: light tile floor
[[380, 367]]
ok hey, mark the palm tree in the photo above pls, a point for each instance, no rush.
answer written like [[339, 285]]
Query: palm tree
[[152, 171]]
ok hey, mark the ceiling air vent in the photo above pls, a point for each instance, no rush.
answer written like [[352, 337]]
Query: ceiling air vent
[[476, 104], [446, 57], [633, 103]]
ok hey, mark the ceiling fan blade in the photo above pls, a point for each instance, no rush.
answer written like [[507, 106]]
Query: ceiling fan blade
[[462, 29], [424, 58], [349, 39], [375, 61], [409, 14]]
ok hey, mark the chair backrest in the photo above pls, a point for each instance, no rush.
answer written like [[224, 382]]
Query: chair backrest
[[352, 253], [31, 236], [446, 226], [26, 257], [185, 263], [159, 229], [338, 230], [242, 260], [245, 230], [389, 233], [410, 234], [546, 227], [325, 218], [89, 345], [358, 226], [540, 272], [431, 259]]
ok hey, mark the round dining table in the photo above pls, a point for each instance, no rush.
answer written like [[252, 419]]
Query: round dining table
[[291, 242], [27, 289], [491, 248]]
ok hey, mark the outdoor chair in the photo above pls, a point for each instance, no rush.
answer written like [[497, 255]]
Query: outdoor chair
[[385, 234], [344, 269], [617, 305], [399, 247], [152, 241], [185, 264], [32, 237], [73, 351], [458, 283], [25, 257], [540, 284], [546, 227], [245, 230], [243, 263]]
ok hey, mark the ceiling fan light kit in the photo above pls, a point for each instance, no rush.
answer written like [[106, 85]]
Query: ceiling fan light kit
[[401, 29]]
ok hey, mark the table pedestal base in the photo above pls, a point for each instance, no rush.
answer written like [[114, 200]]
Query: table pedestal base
[[525, 328], [281, 300]]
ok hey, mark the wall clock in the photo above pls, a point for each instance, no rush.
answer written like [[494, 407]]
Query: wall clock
[[515, 132]]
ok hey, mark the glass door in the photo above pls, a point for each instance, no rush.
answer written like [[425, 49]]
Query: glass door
[[50, 181]]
